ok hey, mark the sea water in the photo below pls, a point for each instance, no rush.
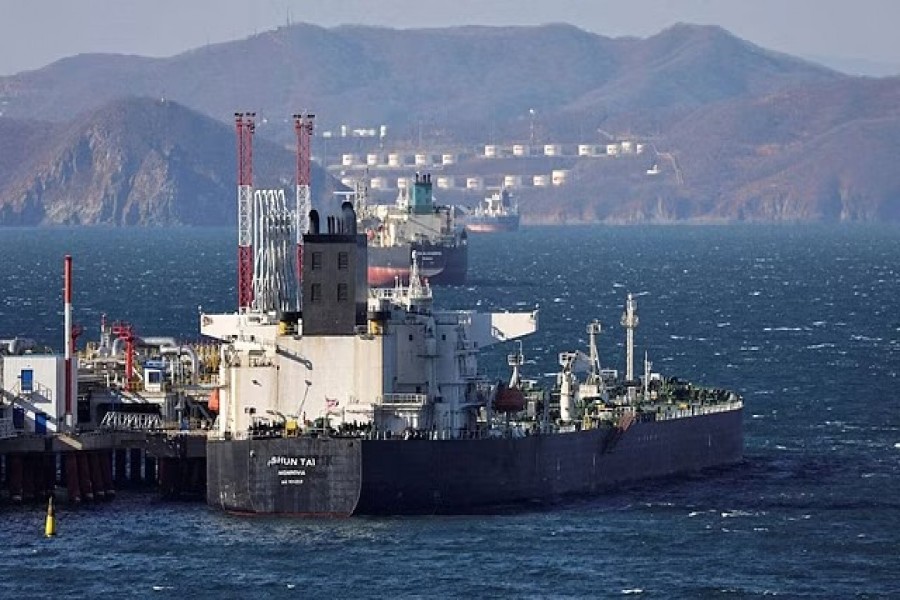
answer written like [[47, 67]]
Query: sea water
[[803, 321]]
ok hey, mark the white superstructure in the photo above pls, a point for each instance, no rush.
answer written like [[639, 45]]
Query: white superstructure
[[409, 367]]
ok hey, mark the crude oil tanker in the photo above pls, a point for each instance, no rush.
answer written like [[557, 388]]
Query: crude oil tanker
[[371, 402], [414, 223]]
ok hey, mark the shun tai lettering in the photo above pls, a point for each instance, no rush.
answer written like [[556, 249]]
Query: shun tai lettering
[[291, 461]]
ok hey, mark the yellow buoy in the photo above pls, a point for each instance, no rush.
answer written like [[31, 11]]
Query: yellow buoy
[[50, 524]]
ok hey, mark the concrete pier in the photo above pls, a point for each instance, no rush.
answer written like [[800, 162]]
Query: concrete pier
[[89, 467]]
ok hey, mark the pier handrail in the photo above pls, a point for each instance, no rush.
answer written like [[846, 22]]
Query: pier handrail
[[417, 399], [131, 421]]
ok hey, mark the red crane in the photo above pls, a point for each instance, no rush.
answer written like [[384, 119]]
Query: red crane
[[245, 126], [124, 331]]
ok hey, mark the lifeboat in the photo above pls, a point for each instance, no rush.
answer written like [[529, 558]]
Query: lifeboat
[[509, 399]]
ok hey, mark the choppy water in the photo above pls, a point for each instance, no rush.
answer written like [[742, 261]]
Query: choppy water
[[803, 321]]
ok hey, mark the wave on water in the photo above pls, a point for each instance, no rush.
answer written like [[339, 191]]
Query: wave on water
[[820, 482]]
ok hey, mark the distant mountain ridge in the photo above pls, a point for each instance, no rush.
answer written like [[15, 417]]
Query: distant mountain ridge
[[736, 131], [368, 75]]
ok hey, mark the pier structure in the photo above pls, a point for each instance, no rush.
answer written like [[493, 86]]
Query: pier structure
[[131, 410]]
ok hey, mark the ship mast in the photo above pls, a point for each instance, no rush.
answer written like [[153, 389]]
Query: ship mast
[[630, 323], [593, 330], [516, 360]]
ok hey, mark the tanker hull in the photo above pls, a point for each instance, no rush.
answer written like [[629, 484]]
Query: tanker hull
[[346, 476], [441, 264]]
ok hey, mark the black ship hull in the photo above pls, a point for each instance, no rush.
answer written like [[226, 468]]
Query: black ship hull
[[347, 476], [441, 264]]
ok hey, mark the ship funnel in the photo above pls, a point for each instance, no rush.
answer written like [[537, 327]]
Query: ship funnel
[[314, 222], [348, 216]]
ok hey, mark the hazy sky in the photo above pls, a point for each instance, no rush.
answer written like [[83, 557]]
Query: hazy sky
[[37, 32]]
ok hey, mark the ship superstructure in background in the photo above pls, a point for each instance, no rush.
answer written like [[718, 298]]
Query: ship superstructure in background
[[414, 223], [497, 212]]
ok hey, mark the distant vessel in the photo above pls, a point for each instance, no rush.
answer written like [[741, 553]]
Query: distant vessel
[[414, 223], [371, 401], [497, 212]]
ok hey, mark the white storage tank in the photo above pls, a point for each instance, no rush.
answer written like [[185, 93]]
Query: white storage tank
[[490, 151], [541, 180], [348, 160], [512, 181], [379, 183], [474, 183], [521, 150], [373, 159], [395, 159], [448, 159], [446, 182], [552, 150], [560, 176], [423, 160]]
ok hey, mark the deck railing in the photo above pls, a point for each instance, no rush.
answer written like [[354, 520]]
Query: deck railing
[[7, 429]]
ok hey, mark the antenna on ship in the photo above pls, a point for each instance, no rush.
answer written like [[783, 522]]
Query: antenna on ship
[[630, 323], [245, 126], [303, 127], [516, 360], [593, 330], [419, 292], [647, 366]]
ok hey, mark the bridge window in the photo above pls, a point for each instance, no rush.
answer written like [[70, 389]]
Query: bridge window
[[27, 377], [316, 261]]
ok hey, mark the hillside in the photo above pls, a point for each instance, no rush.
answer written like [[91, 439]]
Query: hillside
[[134, 161]]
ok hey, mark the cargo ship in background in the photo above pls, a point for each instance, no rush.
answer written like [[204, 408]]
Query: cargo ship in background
[[497, 212], [372, 402], [415, 223]]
